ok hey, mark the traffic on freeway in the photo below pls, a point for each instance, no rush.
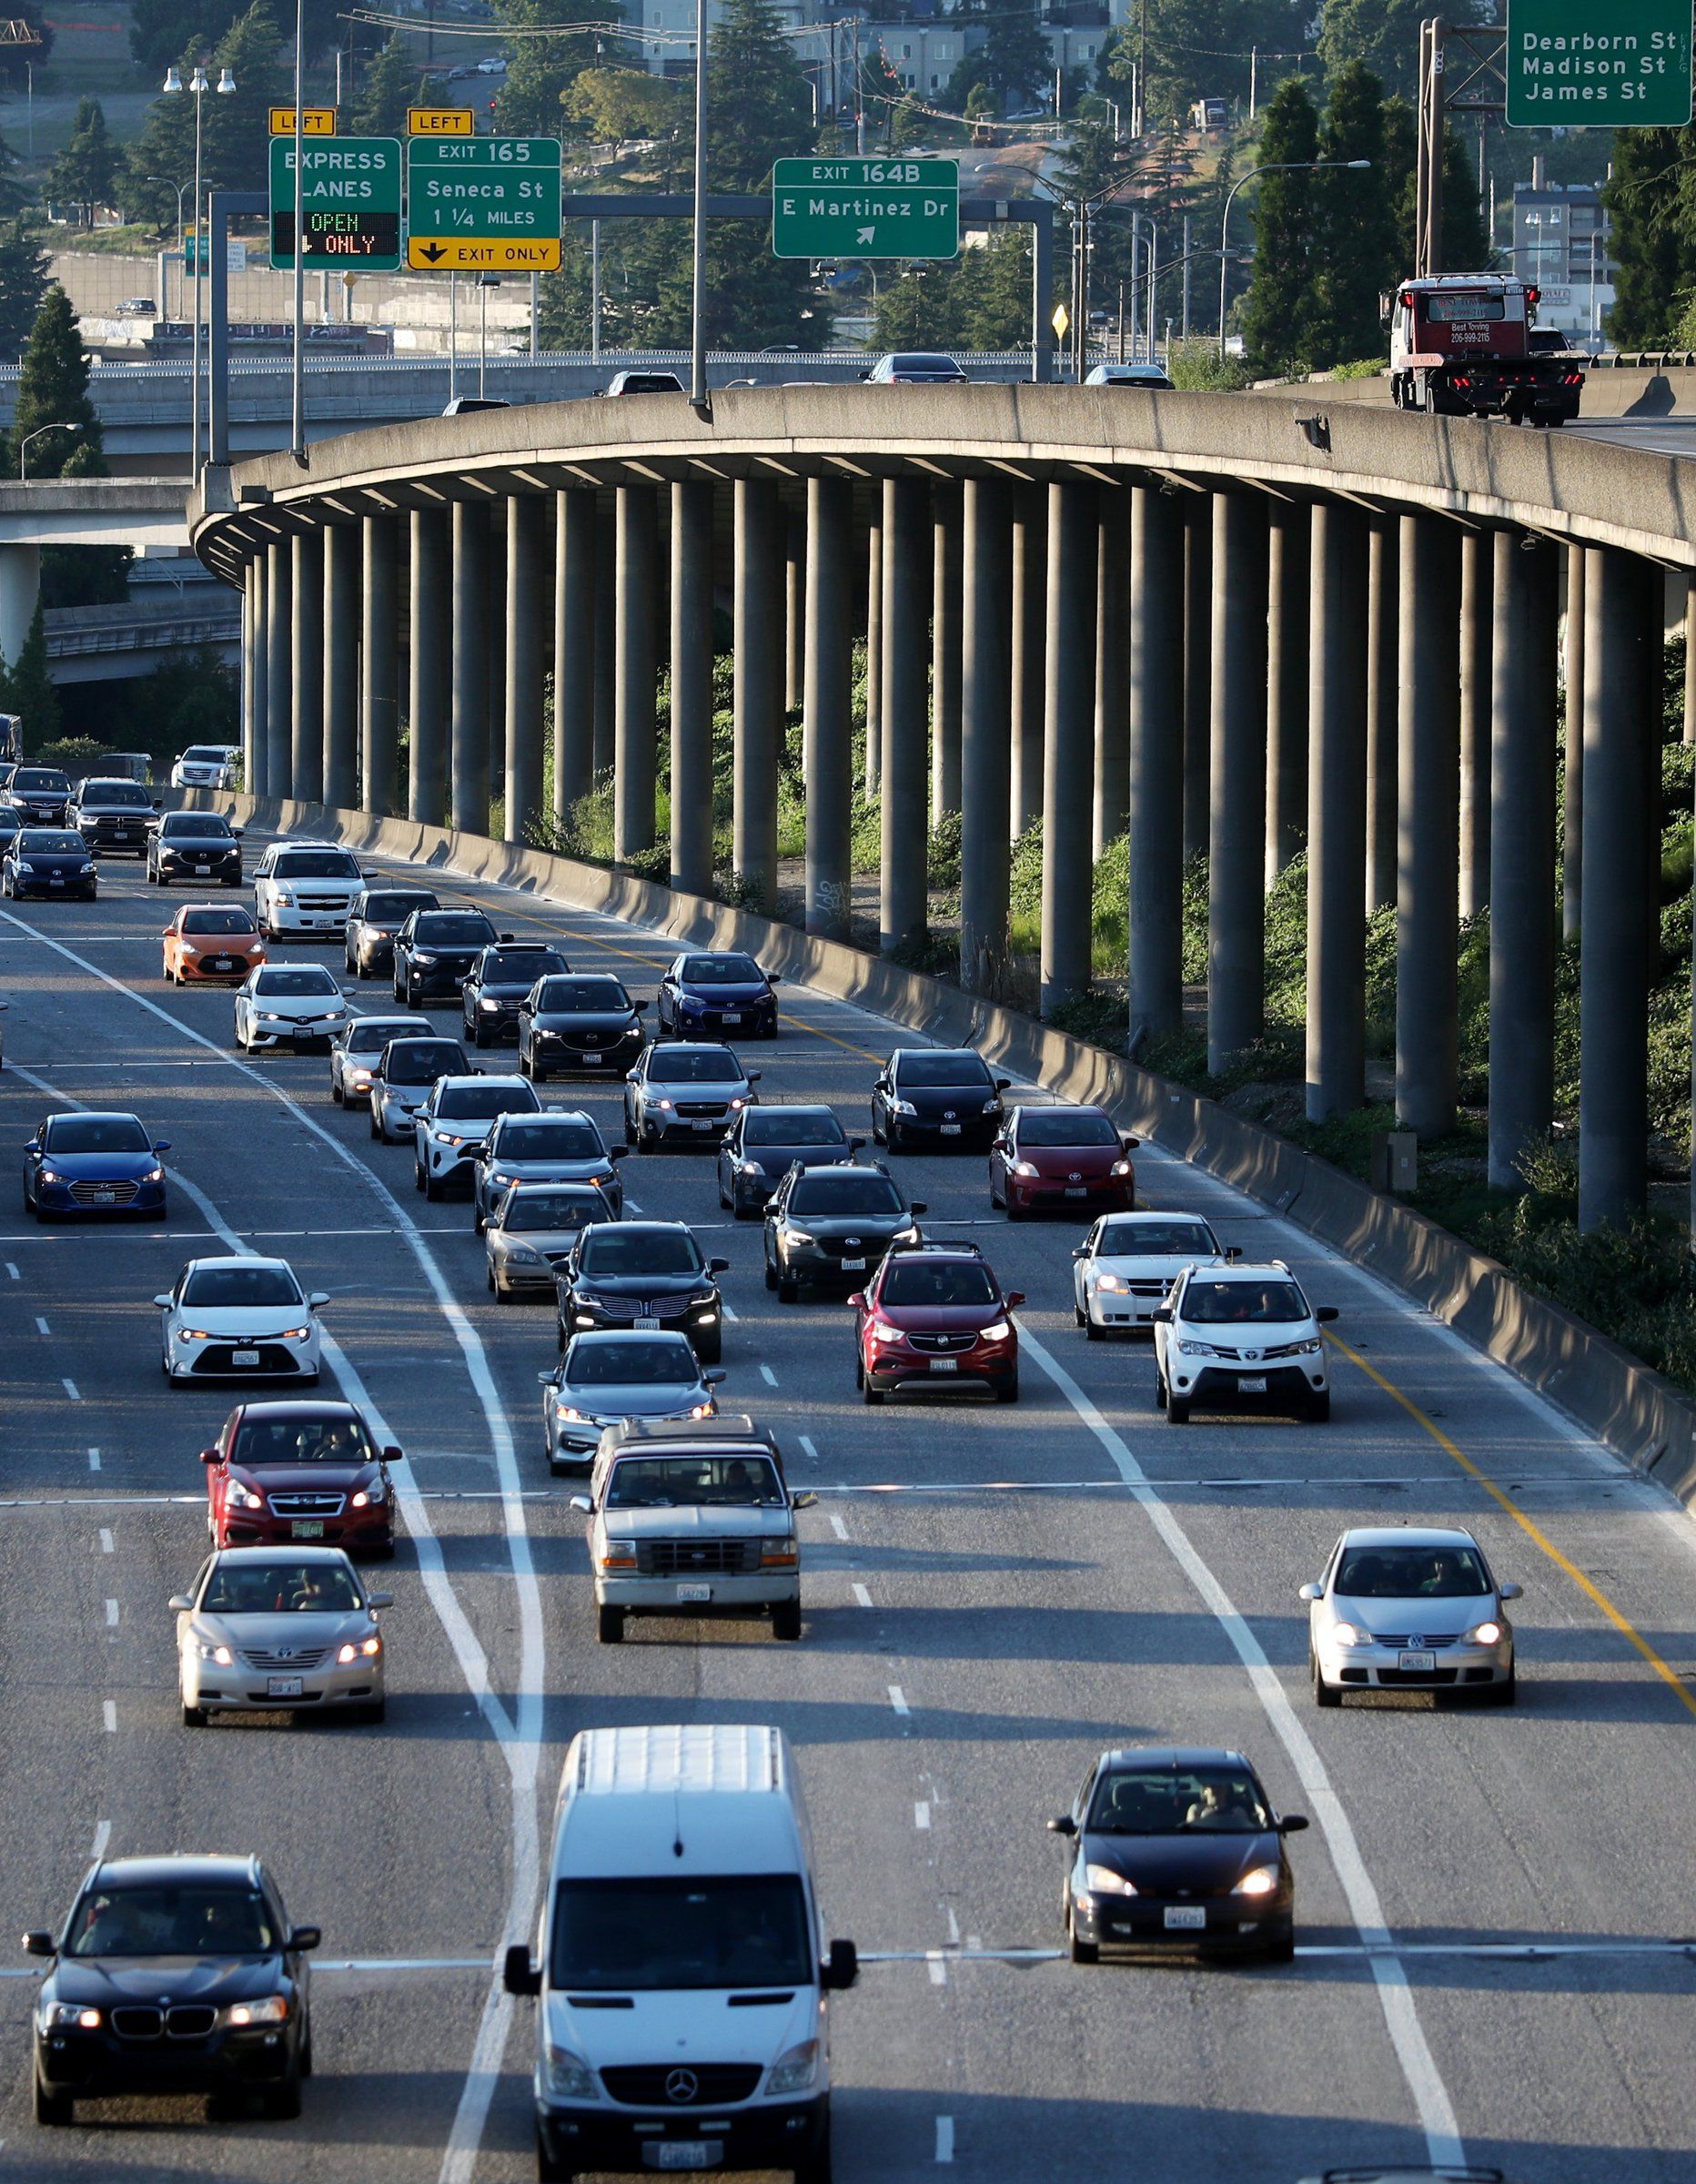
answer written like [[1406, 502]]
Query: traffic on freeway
[[549, 1631]]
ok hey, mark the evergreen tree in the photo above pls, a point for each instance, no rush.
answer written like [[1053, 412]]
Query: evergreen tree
[[26, 689], [236, 129], [1466, 231], [83, 576], [22, 288], [1354, 223], [1384, 33], [53, 390], [160, 30], [1013, 61], [392, 83], [81, 177], [540, 70], [758, 107], [1201, 48], [1653, 259], [1278, 311]]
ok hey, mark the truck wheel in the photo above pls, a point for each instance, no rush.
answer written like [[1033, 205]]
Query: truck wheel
[[610, 1625], [786, 1619]]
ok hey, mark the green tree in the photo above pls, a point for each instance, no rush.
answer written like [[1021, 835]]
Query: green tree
[[1354, 223], [82, 175], [1278, 311], [1013, 61], [615, 105], [1384, 33], [1200, 50], [53, 390], [26, 689], [22, 288], [759, 106], [1466, 236], [540, 70], [1654, 262], [160, 30], [393, 82], [235, 127]]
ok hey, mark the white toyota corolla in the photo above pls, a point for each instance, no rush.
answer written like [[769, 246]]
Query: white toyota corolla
[[239, 1318], [288, 1004]]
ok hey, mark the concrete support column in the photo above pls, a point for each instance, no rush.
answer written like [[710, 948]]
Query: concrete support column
[[1112, 616], [1286, 683], [574, 650], [469, 775], [1030, 612], [827, 748], [1689, 656], [280, 592], [874, 652], [758, 585], [1155, 773], [1622, 642], [306, 666], [1337, 791], [1197, 669], [379, 666], [945, 580], [1383, 545], [527, 548], [1070, 737], [903, 907], [342, 666], [428, 609], [1477, 580], [691, 686], [1238, 773], [794, 608], [985, 751], [1572, 797], [1428, 679], [253, 642], [20, 595], [604, 681], [1525, 599], [495, 647], [636, 732]]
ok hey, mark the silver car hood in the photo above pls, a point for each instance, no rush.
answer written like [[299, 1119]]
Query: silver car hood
[[1449, 1615], [641, 1399], [303, 1630], [720, 1520]]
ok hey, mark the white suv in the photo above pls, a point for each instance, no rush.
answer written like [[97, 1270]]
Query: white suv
[[1408, 1607], [1232, 1332], [206, 766], [305, 887]]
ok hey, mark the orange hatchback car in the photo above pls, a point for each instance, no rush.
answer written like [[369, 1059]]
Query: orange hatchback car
[[210, 943]]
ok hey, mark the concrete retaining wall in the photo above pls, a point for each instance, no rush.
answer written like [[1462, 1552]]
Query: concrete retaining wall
[[1632, 1411]]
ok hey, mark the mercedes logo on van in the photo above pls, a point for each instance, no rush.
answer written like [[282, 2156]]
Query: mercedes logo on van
[[682, 2086]]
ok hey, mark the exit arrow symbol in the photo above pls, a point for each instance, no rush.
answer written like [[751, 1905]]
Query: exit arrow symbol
[[431, 252]]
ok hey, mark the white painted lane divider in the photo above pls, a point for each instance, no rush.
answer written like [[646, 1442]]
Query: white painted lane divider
[[93, 1460], [768, 1376], [41, 1326], [71, 1390], [108, 1713], [106, 1540], [922, 1815], [898, 1699], [111, 1614], [945, 2139], [837, 1526], [103, 1836], [808, 1448], [12, 1272], [861, 1595]]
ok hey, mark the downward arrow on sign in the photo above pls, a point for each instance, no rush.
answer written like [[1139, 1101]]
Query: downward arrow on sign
[[431, 252]]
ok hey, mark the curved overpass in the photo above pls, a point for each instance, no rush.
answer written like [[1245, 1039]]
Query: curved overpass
[[1229, 625]]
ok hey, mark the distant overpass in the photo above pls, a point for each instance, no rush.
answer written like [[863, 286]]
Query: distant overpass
[[77, 512], [105, 644]]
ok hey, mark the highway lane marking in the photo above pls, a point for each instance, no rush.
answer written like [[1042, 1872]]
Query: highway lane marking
[[860, 1593], [71, 1390], [108, 1713], [103, 1836], [922, 1816], [768, 1376], [111, 1614], [898, 1699], [1401, 2016], [13, 1271], [937, 1969], [837, 1526], [1593, 1591], [106, 1540], [808, 1448], [945, 2139], [41, 1326], [93, 1460]]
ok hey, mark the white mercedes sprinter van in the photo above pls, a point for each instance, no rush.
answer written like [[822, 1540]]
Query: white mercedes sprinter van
[[681, 1969]]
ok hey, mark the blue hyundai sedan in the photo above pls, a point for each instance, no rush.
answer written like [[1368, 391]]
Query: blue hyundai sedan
[[91, 1163], [723, 993]]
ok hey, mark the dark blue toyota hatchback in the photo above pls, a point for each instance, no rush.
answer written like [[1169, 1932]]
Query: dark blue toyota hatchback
[[727, 993]]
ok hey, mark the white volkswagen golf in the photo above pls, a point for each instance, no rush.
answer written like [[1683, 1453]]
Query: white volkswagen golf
[[239, 1318], [1235, 1333]]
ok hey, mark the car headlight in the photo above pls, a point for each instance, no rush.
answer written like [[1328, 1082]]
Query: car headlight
[[1102, 1880], [370, 1497], [1259, 1880], [750, 1168], [447, 1137], [739, 1101], [194, 1334], [991, 1107], [153, 1174], [284, 897], [782, 1554], [64, 2016], [802, 1235], [706, 1313], [425, 961], [498, 1178], [880, 1333], [996, 1332], [51, 1175], [1027, 1168], [1121, 1167], [244, 1497], [488, 1004], [901, 1107], [263, 2009], [1188, 1349], [24, 867], [220, 1656], [357, 1649], [269, 1016], [795, 2069], [568, 2075], [909, 1234], [524, 1255], [360, 1081], [704, 1409], [1351, 1634], [619, 1555], [664, 1104], [1114, 1285], [571, 1415], [1488, 1632], [89, 867], [295, 1334]]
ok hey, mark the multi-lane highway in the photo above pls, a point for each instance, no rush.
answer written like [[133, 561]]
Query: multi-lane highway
[[1489, 1903]]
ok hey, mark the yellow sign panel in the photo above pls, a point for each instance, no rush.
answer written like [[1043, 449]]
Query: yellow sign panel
[[484, 254], [1061, 320], [314, 121], [440, 121]]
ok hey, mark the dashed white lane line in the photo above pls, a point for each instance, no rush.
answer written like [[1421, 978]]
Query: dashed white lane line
[[111, 1614], [922, 1816], [944, 2137], [41, 1326], [863, 1597], [731, 1316], [108, 1713], [11, 1271], [94, 1465], [71, 1390], [103, 1836], [837, 1526], [768, 1376], [808, 1448], [898, 1699], [106, 1540], [937, 1968]]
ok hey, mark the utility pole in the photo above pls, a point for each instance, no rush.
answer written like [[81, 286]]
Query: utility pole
[[1142, 69], [1185, 304], [1428, 227]]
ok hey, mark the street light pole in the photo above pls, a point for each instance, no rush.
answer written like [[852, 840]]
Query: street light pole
[[197, 87], [298, 358], [23, 447], [1272, 166], [698, 400]]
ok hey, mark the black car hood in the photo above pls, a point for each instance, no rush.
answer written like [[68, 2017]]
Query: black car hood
[[101, 1981], [1205, 1862], [200, 843], [778, 1159], [54, 860], [856, 1224], [725, 996], [643, 1285], [966, 1101], [574, 1023]]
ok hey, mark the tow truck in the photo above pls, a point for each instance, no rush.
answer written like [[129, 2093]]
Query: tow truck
[[1468, 345]]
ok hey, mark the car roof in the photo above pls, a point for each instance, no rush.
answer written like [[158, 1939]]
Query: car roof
[[698, 1797], [1251, 1270], [692, 1046], [298, 1551], [643, 1227], [1408, 1535], [733, 1431], [600, 1338], [92, 1114], [1058, 1107], [326, 1407], [550, 1113], [1140, 1216], [176, 1868], [506, 1084], [238, 1259], [1172, 1755], [932, 1248], [897, 1054]]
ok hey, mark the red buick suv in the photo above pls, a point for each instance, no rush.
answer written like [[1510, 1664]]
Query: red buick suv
[[934, 1316], [301, 1471]]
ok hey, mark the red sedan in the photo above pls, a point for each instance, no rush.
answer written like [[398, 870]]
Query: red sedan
[[1061, 1159], [287, 1471], [935, 1317]]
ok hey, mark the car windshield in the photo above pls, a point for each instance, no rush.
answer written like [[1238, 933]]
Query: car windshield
[[1220, 1303], [777, 1125], [721, 970], [392, 909], [1059, 1128], [1447, 1571], [96, 1133], [206, 754], [123, 793], [560, 1137], [615, 1250], [171, 1919], [654, 1934], [198, 826], [217, 921], [666, 1360], [315, 865], [694, 1483], [1175, 1801], [209, 1287], [422, 1061], [562, 996], [914, 361], [262, 1440], [523, 967], [920, 1281], [1157, 1240], [36, 841], [370, 1038], [9, 820], [453, 929], [311, 978], [40, 780], [280, 1588], [844, 1190], [696, 1066], [541, 1209], [929, 1071], [464, 1103]]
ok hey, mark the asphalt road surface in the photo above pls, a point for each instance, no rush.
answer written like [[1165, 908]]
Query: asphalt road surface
[[1488, 1904]]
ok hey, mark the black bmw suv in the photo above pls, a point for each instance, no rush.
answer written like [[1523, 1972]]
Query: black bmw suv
[[435, 949], [644, 1275], [172, 1975]]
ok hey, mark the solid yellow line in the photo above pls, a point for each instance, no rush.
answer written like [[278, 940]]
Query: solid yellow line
[[1593, 1592]]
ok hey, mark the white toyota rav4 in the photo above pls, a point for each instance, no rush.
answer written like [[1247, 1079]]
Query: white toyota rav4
[[1242, 1332]]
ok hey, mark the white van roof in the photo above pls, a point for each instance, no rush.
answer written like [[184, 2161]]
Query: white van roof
[[629, 1797]]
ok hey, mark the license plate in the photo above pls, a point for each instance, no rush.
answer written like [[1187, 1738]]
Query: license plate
[[1253, 1383], [1421, 1662], [951, 1130], [1077, 1190], [56, 879], [221, 963], [201, 871], [682, 2153], [944, 1364], [695, 1593], [308, 1528], [647, 1325], [283, 1687], [853, 1266], [1185, 1914], [243, 1357], [730, 1015], [106, 1198], [593, 1057], [702, 1122]]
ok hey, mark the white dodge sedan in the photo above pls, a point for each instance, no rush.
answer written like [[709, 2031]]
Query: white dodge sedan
[[239, 1319], [288, 1004], [286, 1628], [1409, 1608], [1124, 1268]]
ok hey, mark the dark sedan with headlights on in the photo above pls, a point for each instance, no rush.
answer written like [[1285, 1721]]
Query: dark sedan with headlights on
[[543, 1148], [763, 1144], [195, 845], [1177, 1845], [936, 1096], [587, 1023], [646, 1278], [47, 860], [41, 796], [93, 1163], [825, 1226]]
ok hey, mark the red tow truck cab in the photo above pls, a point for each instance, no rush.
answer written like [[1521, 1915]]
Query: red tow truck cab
[[1467, 345]]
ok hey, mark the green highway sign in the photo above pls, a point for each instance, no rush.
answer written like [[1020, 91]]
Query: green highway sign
[[483, 204], [865, 208], [1573, 64], [349, 203]]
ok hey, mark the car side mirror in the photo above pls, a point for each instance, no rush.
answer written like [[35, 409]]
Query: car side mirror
[[519, 1976], [1013, 1299], [180, 1604], [238, 832], [1310, 1592], [1080, 1250], [545, 1379], [379, 1599], [583, 1502], [840, 1967], [38, 1942], [391, 1454], [718, 1266], [754, 1076], [631, 1076], [1293, 1824], [617, 1152], [1003, 1083], [1162, 1314], [918, 1205], [305, 1937], [716, 1373], [1510, 1591], [164, 1302], [159, 804], [1326, 1314], [317, 1297], [1233, 1252], [858, 1298], [1063, 1825], [1130, 1143], [805, 1500], [506, 936], [165, 932], [34, 1146], [209, 1455], [856, 1145]]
